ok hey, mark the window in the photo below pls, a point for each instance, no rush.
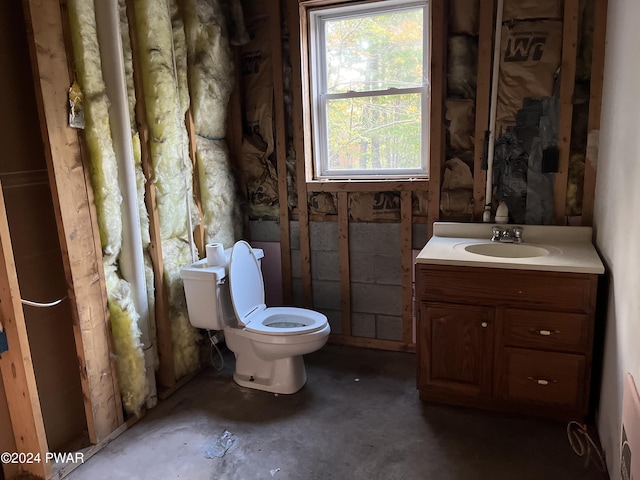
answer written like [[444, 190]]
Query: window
[[369, 90]]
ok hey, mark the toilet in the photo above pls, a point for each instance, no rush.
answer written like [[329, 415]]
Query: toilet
[[268, 342]]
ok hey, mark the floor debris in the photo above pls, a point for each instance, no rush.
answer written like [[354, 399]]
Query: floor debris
[[219, 445]]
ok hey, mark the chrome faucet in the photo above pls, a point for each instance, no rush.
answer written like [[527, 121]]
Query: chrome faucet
[[506, 235]]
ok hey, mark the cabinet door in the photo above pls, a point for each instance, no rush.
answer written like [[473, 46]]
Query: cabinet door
[[455, 348]]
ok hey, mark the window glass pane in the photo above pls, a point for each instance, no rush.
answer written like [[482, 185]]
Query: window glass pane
[[375, 51], [374, 133]]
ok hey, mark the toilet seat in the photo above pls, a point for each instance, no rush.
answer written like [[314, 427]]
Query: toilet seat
[[247, 296]]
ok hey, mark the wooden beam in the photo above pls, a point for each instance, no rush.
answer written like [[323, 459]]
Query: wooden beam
[[76, 219], [343, 255], [369, 186], [18, 375], [483, 102], [234, 137], [166, 370], [376, 343], [595, 109], [280, 128], [567, 85], [438, 94], [301, 124], [199, 231], [406, 232]]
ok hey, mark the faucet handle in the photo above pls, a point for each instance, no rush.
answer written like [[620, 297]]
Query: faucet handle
[[496, 234], [517, 234]]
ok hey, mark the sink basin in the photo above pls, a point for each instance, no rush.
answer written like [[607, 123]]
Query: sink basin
[[507, 250]]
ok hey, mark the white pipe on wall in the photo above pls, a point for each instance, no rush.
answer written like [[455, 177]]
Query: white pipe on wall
[[486, 216], [131, 260]]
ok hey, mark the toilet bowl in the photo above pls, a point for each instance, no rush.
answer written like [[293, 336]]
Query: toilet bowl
[[268, 342]]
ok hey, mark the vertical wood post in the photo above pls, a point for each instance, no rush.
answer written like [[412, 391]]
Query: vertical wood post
[[18, 375], [166, 370], [567, 86], [343, 256], [406, 231], [438, 94], [301, 125], [281, 148], [76, 219], [595, 109]]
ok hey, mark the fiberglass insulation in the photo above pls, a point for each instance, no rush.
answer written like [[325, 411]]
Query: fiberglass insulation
[[172, 168], [211, 82], [108, 199]]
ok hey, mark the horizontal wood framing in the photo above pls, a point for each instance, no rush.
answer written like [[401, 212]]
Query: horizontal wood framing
[[334, 218], [75, 217], [369, 186], [376, 343]]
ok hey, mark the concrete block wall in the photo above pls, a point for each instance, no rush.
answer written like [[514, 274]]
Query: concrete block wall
[[375, 270]]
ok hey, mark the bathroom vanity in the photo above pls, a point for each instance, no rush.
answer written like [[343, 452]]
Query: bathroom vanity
[[503, 328]]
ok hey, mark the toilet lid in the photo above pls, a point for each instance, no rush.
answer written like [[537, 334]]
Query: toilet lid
[[245, 281]]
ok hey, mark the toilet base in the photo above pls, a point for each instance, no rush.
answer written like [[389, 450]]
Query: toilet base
[[285, 375]]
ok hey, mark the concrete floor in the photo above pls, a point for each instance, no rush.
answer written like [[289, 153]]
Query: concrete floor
[[358, 417]]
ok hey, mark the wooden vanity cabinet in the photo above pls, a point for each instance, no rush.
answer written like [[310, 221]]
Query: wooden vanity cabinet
[[510, 340]]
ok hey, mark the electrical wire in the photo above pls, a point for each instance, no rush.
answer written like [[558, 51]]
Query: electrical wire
[[214, 345], [31, 303], [583, 445]]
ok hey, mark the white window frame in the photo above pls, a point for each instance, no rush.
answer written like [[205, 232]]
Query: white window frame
[[319, 95]]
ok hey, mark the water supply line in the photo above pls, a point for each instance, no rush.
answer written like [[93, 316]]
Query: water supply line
[[486, 216]]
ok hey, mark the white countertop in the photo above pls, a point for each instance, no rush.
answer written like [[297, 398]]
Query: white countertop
[[570, 248]]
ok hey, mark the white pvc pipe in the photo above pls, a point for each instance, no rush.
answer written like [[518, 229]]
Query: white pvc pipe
[[131, 257], [486, 216]]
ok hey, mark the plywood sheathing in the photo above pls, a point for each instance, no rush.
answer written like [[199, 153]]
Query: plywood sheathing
[[75, 215]]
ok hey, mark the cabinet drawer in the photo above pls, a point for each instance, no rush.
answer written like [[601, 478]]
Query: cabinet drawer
[[544, 377], [546, 330], [501, 287]]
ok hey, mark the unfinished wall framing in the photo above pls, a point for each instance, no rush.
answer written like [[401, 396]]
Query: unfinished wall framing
[[76, 219], [461, 31]]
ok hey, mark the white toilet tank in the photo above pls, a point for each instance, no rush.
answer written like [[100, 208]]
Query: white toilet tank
[[207, 293], [202, 288]]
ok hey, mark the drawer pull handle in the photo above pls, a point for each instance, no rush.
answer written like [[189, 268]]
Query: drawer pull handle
[[544, 332], [484, 324], [542, 381]]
